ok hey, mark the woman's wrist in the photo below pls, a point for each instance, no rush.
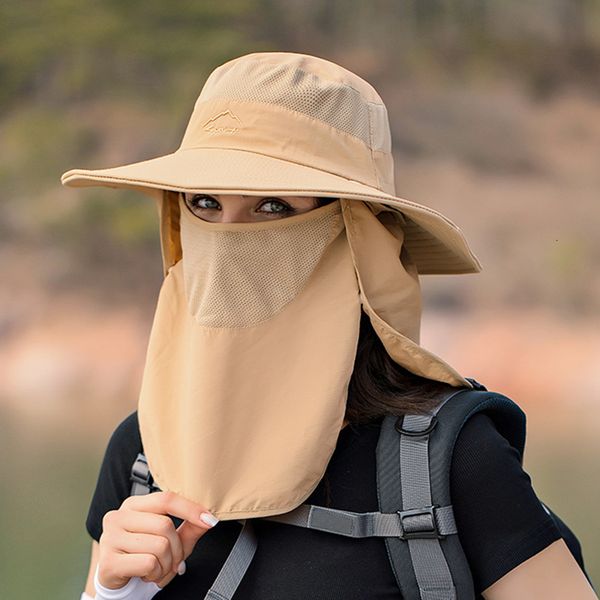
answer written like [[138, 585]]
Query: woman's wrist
[[134, 589]]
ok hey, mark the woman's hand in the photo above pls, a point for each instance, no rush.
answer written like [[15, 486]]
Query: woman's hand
[[140, 540]]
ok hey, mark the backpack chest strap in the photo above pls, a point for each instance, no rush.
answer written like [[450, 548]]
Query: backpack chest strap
[[428, 522], [408, 525]]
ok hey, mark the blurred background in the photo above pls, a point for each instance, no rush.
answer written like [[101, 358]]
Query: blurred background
[[495, 114]]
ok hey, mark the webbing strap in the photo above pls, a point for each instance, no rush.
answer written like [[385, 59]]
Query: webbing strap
[[429, 563], [347, 523], [142, 482], [369, 524], [235, 566]]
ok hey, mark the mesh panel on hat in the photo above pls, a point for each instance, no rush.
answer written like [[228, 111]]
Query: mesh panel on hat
[[334, 103], [240, 278]]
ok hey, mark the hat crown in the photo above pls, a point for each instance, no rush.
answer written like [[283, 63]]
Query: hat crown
[[312, 86], [298, 108]]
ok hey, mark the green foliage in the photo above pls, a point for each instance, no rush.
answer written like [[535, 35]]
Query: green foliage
[[124, 216], [36, 141], [93, 84], [63, 50], [73, 50]]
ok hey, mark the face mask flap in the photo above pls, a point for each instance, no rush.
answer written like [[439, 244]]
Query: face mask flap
[[244, 419]]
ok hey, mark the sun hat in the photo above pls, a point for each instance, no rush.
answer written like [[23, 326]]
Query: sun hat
[[254, 338], [283, 123]]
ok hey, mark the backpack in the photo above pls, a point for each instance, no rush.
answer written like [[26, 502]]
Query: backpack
[[414, 455]]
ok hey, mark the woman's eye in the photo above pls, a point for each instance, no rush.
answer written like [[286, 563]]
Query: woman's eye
[[277, 206], [202, 201]]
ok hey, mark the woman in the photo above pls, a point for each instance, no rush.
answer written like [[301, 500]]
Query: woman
[[286, 328]]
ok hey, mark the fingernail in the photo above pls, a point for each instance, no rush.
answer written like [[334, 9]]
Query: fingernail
[[209, 519], [181, 568]]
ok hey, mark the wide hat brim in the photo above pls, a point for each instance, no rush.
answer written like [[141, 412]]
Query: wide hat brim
[[435, 243]]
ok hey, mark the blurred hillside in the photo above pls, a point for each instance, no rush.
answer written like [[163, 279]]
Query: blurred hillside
[[494, 107]]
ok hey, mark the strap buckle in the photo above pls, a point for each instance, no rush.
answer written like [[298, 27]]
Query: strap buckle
[[140, 474], [399, 427], [419, 523]]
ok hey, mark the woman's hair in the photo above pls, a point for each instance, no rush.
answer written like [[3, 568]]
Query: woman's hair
[[380, 386]]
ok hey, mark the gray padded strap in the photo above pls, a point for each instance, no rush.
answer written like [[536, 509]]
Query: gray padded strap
[[236, 565], [310, 516], [142, 482], [369, 524], [429, 563]]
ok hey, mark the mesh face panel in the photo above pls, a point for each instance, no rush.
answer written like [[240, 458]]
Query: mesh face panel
[[239, 274], [340, 106]]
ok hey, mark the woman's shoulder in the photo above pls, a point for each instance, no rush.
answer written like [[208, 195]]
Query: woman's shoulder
[[501, 522], [126, 435], [125, 441], [484, 460], [481, 431], [123, 445]]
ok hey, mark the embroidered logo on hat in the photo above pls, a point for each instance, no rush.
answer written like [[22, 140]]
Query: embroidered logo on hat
[[224, 122]]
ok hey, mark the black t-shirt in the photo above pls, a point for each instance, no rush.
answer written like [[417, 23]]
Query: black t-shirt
[[500, 521]]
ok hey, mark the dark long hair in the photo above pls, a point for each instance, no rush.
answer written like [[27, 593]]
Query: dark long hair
[[380, 386]]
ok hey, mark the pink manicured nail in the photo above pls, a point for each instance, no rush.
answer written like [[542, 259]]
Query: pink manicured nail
[[209, 519], [181, 568]]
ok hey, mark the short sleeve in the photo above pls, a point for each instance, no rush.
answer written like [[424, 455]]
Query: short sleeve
[[500, 520], [113, 484]]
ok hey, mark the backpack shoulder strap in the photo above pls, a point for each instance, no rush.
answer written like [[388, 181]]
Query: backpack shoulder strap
[[141, 478], [414, 455]]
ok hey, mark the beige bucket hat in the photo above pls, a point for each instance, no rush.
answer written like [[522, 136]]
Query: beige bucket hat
[[237, 295], [282, 123]]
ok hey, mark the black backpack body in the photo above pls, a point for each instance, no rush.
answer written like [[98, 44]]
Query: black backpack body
[[415, 517]]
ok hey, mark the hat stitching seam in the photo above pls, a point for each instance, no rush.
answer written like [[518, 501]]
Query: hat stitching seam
[[371, 146]]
